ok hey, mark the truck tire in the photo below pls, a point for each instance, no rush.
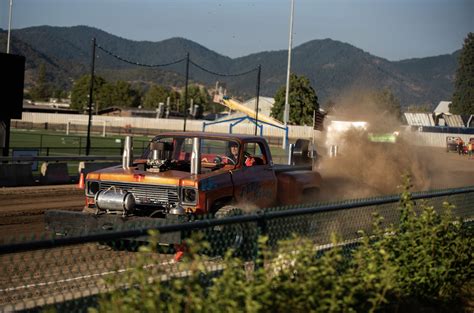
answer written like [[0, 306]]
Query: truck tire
[[227, 236], [241, 238]]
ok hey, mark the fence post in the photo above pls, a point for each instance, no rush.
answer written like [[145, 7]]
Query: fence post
[[262, 230]]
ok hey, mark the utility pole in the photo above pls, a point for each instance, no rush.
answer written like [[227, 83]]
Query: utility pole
[[91, 94], [186, 91], [286, 113], [9, 26], [257, 98]]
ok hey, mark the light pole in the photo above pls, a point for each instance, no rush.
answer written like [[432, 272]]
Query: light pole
[[259, 72], [9, 26], [186, 91], [91, 97], [286, 113]]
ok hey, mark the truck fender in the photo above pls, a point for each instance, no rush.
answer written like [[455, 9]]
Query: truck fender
[[293, 185], [219, 203]]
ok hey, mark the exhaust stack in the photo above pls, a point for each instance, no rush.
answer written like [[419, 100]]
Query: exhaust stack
[[196, 156], [291, 149], [127, 156]]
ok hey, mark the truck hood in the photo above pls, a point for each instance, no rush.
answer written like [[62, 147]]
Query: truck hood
[[133, 175]]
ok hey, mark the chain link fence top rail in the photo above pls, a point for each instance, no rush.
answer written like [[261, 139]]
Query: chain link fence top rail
[[70, 272]]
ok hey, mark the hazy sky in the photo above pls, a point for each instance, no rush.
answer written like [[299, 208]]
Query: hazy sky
[[393, 29]]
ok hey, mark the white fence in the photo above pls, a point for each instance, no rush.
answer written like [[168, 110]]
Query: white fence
[[436, 139], [165, 124], [424, 139]]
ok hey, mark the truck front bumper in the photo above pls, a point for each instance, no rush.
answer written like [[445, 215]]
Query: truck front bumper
[[69, 223]]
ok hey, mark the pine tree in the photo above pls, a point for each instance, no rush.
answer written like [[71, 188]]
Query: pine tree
[[463, 97], [80, 92], [41, 91]]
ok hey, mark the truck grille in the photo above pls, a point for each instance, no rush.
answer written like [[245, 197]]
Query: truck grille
[[147, 194]]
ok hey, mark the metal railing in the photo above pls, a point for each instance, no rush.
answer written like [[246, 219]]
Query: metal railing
[[56, 270], [14, 159]]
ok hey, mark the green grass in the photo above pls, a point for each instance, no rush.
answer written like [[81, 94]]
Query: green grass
[[59, 144]]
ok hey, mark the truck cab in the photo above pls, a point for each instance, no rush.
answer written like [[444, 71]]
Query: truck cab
[[174, 176]]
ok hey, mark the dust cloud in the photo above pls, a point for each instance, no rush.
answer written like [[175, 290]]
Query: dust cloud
[[364, 168]]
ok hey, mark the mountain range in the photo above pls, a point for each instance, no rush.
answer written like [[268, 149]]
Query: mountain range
[[333, 67]]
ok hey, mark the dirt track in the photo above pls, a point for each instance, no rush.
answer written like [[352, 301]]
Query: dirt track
[[22, 209]]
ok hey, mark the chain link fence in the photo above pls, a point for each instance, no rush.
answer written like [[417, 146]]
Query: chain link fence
[[71, 272]]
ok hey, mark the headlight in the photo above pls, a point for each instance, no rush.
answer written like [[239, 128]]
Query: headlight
[[189, 195], [92, 187]]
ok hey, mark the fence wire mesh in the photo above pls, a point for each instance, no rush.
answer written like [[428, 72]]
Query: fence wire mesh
[[70, 272]]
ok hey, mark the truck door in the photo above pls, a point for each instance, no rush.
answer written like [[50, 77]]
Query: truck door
[[255, 182]]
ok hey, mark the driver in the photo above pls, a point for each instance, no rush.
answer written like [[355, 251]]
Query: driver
[[233, 152]]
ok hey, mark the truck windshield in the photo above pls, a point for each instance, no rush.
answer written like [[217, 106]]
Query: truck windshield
[[181, 148]]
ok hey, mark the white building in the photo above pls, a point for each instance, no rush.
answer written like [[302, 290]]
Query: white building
[[265, 105]]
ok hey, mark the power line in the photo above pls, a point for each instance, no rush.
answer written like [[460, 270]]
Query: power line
[[221, 74], [175, 62], [138, 63]]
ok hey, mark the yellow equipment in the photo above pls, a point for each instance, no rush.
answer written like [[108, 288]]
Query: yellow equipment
[[236, 106]]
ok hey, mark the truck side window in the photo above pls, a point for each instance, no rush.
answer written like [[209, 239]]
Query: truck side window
[[255, 151]]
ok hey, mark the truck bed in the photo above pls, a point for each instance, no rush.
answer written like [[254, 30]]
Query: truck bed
[[280, 168]]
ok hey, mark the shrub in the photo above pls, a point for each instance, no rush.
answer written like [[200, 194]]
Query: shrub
[[426, 258]]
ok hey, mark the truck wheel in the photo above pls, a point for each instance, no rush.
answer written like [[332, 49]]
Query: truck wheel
[[242, 238], [229, 236]]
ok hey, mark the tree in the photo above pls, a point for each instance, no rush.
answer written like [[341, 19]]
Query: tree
[[200, 97], [59, 94], [463, 97], [302, 99], [157, 94], [420, 108], [120, 94], [41, 91], [80, 92], [388, 103]]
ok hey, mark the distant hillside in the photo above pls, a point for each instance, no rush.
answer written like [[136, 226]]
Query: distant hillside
[[332, 66], [59, 72]]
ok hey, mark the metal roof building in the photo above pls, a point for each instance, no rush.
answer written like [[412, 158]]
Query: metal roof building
[[453, 120], [442, 108], [420, 119]]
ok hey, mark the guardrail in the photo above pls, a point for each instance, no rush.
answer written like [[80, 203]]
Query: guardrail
[[53, 270], [58, 158], [24, 170]]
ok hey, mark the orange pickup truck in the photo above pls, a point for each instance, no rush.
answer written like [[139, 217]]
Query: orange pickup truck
[[182, 174]]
